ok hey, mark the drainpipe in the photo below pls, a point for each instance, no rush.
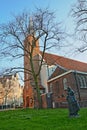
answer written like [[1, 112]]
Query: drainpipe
[[76, 79]]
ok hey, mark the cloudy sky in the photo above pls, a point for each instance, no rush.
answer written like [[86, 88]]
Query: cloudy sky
[[60, 7]]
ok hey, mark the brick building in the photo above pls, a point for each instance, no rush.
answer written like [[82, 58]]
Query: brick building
[[57, 73], [29, 92], [68, 72]]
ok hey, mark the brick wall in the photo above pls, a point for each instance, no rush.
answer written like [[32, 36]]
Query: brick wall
[[29, 92], [44, 100], [59, 94]]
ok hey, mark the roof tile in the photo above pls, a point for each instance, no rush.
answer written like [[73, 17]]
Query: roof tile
[[67, 63]]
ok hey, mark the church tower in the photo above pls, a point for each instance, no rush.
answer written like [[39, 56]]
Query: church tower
[[30, 43]]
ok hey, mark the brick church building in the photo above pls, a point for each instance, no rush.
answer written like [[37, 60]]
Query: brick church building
[[56, 74]]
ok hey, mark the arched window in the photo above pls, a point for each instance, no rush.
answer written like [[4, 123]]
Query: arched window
[[65, 83], [51, 87], [86, 80], [82, 81]]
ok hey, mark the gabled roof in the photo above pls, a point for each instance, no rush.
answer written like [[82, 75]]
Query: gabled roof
[[67, 63], [58, 76]]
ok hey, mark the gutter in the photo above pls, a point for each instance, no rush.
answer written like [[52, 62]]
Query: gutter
[[70, 71]]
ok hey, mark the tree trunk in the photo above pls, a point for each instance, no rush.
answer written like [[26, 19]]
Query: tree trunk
[[38, 93]]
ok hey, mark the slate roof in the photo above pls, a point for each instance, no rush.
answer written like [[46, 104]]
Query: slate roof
[[67, 63]]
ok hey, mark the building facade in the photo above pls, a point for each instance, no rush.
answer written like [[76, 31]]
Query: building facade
[[11, 92], [57, 73], [69, 73]]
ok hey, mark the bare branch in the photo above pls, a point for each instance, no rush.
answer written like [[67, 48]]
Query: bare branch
[[79, 12], [17, 40]]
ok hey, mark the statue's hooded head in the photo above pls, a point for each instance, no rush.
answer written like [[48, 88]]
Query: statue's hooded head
[[68, 89]]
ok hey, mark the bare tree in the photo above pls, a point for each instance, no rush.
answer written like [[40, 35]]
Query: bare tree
[[79, 12], [6, 90], [15, 43]]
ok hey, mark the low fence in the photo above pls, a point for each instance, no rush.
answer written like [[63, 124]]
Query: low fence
[[6, 106], [10, 106], [83, 103], [61, 105], [65, 104], [55, 105]]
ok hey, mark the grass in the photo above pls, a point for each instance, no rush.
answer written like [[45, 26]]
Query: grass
[[45, 119]]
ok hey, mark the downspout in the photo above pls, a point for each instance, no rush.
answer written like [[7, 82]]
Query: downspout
[[78, 90]]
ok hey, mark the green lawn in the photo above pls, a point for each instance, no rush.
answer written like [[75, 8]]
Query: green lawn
[[48, 119]]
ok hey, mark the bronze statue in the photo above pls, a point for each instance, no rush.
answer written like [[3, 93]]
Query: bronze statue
[[72, 103]]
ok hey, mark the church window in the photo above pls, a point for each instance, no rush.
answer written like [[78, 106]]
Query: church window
[[82, 81], [51, 87], [65, 83]]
